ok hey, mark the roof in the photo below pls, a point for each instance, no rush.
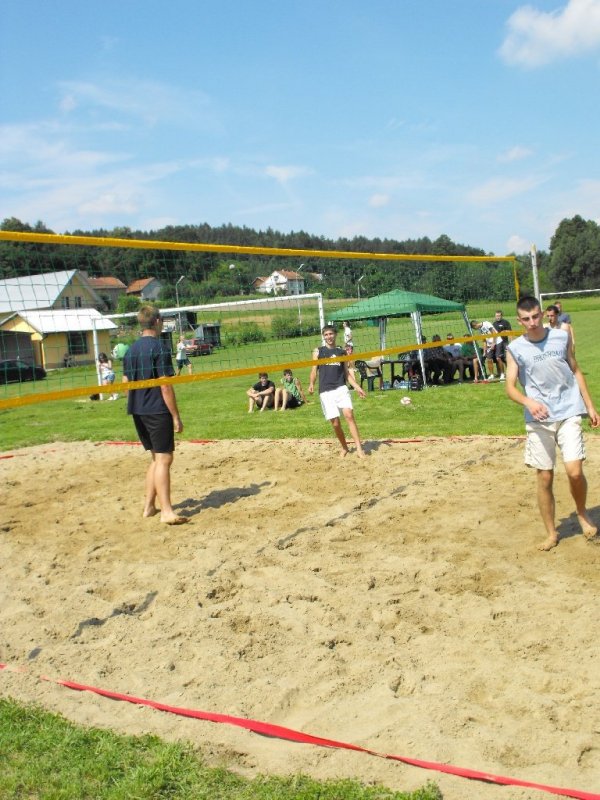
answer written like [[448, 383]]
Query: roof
[[291, 276], [139, 285], [106, 283], [33, 291], [395, 304], [80, 319]]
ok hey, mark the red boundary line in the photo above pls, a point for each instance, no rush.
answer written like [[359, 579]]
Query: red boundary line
[[291, 735]]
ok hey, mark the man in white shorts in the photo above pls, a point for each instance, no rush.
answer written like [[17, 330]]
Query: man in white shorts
[[555, 397], [333, 389]]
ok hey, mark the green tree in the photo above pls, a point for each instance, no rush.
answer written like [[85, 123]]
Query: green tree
[[575, 255]]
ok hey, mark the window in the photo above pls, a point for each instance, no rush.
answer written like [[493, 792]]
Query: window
[[65, 302], [77, 343], [78, 302]]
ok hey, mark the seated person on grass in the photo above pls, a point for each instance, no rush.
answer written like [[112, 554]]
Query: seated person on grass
[[262, 394], [290, 394], [469, 354]]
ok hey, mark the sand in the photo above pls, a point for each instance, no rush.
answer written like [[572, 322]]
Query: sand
[[398, 603]]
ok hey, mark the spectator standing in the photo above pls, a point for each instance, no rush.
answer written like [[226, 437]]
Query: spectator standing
[[501, 324], [553, 317], [562, 315], [489, 349], [107, 373], [347, 335], [181, 358]]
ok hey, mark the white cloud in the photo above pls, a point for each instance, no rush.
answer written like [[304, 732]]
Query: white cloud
[[379, 200], [536, 37], [150, 101], [285, 174], [516, 153], [497, 190], [517, 244]]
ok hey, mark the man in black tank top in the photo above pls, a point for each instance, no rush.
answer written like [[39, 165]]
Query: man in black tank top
[[333, 390]]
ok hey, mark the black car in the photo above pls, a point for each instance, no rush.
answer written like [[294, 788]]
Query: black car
[[14, 370]]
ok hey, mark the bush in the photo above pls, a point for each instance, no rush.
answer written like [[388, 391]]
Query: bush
[[245, 333], [287, 326]]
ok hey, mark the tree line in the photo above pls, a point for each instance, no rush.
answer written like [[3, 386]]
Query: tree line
[[573, 262]]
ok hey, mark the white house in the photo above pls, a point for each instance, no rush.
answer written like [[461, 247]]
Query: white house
[[280, 282]]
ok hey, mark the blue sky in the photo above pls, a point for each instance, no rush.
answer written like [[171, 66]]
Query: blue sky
[[477, 119]]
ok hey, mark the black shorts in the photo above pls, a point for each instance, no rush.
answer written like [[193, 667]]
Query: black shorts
[[293, 402], [156, 432]]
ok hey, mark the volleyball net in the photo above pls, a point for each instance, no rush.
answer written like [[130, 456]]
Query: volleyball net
[[65, 301]]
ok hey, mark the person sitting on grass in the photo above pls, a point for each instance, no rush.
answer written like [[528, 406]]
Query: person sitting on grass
[[290, 394], [262, 394]]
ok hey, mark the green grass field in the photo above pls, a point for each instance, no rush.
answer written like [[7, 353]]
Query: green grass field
[[43, 756], [217, 408]]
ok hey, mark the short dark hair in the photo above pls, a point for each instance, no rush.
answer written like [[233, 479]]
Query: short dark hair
[[328, 328], [528, 303], [262, 375], [287, 372], [553, 308]]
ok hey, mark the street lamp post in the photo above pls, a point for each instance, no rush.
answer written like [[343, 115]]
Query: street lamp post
[[235, 266], [299, 270], [177, 302], [358, 285]]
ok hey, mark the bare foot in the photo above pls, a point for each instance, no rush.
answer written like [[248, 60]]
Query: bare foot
[[360, 452], [150, 512], [344, 453], [587, 526], [549, 543], [173, 519]]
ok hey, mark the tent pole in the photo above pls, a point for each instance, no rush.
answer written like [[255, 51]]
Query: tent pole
[[477, 352], [416, 318]]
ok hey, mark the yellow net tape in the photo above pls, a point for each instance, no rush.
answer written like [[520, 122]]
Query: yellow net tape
[[85, 391], [149, 244]]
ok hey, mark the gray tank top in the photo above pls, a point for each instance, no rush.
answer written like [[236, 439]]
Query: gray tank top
[[545, 375]]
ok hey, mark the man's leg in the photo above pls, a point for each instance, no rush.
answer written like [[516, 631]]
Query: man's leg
[[578, 487], [349, 417], [545, 496], [162, 488], [339, 432], [285, 396], [150, 500]]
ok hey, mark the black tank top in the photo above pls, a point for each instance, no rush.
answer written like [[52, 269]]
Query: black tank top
[[331, 376]]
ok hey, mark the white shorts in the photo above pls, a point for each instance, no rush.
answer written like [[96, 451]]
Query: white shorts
[[334, 401], [543, 437]]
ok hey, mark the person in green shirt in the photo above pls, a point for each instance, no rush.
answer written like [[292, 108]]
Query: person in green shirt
[[470, 351], [290, 394]]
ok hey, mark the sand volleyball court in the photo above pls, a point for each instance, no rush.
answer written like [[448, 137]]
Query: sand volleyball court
[[397, 603]]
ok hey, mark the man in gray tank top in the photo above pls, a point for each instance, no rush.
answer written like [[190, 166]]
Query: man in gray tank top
[[555, 396]]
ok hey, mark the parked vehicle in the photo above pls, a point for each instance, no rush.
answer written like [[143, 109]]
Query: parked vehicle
[[14, 370], [198, 347]]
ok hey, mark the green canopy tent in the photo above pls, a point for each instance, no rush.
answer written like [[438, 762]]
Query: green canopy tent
[[398, 303]]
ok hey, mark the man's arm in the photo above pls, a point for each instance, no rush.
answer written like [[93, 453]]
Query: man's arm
[[537, 410], [299, 387], [583, 387], [168, 395], [313, 373], [349, 375]]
